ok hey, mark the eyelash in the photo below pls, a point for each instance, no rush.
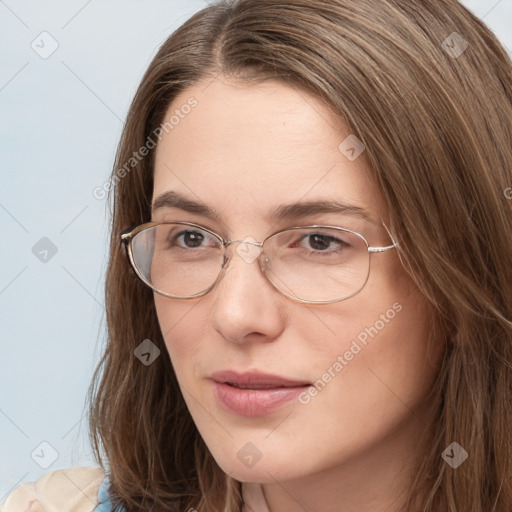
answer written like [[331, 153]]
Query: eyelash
[[330, 239]]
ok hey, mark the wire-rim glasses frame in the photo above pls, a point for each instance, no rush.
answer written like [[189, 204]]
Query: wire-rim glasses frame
[[128, 235]]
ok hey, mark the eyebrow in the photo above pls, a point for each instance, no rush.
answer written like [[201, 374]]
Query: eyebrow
[[297, 210]]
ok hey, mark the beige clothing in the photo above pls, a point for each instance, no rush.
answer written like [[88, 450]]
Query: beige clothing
[[76, 490], [254, 498], [62, 490]]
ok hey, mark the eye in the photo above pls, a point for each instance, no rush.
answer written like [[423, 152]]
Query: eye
[[320, 242], [191, 239]]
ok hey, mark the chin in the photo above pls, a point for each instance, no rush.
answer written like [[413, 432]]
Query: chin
[[263, 471]]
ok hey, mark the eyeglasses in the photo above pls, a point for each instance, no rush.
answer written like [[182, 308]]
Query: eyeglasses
[[310, 264]]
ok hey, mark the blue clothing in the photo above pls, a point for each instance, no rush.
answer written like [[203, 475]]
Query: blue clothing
[[104, 503], [252, 493]]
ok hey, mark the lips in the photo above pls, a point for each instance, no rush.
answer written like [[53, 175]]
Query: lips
[[255, 380], [253, 386], [254, 393]]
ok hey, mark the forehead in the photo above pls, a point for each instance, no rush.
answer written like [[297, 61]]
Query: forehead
[[247, 148]]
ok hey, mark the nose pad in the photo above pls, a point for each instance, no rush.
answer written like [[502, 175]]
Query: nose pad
[[265, 263]]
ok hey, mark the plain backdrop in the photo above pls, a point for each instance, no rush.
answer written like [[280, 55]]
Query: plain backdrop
[[68, 72]]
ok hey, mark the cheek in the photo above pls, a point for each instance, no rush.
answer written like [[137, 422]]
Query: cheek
[[182, 336], [401, 361], [379, 345], [383, 378], [399, 352], [398, 339]]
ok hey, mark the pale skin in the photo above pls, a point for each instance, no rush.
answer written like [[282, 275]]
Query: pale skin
[[243, 150]]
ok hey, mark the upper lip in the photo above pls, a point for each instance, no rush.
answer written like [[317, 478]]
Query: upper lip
[[254, 378]]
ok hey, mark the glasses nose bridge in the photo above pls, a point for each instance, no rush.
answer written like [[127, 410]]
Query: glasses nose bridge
[[252, 242], [247, 240], [247, 258]]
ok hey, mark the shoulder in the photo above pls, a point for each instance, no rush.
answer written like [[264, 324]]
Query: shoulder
[[66, 490]]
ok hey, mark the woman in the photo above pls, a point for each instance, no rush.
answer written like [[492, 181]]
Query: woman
[[274, 153]]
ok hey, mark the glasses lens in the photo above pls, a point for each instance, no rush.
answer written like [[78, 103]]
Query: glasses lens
[[177, 259], [317, 264], [312, 264]]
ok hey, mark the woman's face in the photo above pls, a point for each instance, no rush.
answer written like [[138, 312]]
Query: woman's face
[[244, 151]]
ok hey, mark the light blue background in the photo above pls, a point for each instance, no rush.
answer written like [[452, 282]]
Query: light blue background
[[61, 119]]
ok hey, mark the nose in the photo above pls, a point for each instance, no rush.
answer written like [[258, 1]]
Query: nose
[[245, 304]]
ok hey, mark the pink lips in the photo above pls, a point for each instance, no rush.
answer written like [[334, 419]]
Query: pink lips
[[254, 393]]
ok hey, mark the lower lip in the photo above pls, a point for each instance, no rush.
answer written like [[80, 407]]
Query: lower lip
[[254, 402]]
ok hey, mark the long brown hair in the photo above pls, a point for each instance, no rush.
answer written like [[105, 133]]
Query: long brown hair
[[427, 88]]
